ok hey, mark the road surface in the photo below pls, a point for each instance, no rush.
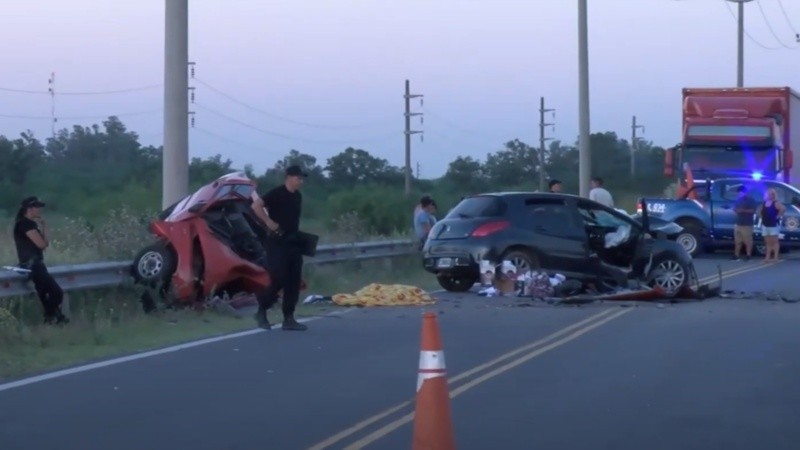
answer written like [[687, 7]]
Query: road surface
[[714, 374]]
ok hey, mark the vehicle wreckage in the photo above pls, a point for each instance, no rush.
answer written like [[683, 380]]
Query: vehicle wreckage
[[207, 244]]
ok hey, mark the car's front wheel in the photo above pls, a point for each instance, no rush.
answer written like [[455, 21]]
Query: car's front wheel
[[154, 264], [453, 283], [669, 274]]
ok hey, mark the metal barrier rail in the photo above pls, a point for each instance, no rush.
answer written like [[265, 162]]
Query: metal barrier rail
[[114, 273]]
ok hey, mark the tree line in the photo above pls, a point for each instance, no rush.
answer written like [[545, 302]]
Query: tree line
[[89, 170]]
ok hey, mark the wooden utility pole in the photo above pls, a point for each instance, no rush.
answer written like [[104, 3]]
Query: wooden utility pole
[[542, 140], [634, 127], [408, 132]]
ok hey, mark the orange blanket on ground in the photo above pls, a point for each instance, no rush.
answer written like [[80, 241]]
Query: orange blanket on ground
[[385, 295]]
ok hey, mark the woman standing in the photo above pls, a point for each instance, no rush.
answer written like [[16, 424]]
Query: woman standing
[[771, 212], [30, 238]]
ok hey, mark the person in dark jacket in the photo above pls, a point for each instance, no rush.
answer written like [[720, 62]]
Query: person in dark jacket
[[31, 239], [280, 209]]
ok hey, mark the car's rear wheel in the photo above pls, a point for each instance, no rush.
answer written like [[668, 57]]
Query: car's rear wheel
[[453, 283], [523, 260], [669, 274]]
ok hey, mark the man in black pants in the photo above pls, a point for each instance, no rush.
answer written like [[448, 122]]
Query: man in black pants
[[30, 239], [285, 262]]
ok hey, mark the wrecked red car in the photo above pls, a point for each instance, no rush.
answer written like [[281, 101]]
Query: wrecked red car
[[206, 243]]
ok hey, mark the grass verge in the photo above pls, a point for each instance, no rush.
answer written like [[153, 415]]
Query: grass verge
[[108, 323]]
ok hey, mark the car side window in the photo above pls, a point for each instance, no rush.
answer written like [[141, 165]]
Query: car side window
[[551, 217]]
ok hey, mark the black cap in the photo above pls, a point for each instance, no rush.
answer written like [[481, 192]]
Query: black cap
[[295, 171], [32, 202]]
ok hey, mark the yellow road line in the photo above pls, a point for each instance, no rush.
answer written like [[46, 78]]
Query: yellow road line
[[526, 348], [382, 432], [370, 420]]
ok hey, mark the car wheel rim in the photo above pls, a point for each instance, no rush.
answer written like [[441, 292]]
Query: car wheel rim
[[521, 264], [670, 275], [761, 248], [150, 264], [688, 242]]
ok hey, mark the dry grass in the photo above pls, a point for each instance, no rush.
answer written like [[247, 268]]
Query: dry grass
[[107, 323], [124, 232]]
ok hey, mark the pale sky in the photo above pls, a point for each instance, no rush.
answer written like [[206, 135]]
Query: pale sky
[[340, 66]]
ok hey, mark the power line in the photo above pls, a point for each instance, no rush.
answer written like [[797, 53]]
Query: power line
[[135, 113], [749, 36], [769, 26], [278, 117], [116, 91], [786, 16], [284, 136]]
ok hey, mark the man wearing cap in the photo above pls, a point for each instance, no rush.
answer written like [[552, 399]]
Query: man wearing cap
[[283, 206], [30, 239]]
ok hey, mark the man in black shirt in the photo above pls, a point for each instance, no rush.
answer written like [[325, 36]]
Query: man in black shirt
[[30, 240], [283, 206]]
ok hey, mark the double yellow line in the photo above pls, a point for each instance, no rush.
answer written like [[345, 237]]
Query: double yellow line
[[500, 365], [737, 271], [517, 357]]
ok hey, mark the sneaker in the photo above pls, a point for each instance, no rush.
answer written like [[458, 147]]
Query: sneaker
[[261, 320], [735, 258], [293, 325]]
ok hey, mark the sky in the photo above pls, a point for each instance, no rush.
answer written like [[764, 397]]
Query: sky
[[321, 75]]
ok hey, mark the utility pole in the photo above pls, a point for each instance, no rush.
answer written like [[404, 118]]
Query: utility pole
[[408, 132], [52, 89], [740, 39], [584, 149], [634, 127], [175, 169], [542, 140]]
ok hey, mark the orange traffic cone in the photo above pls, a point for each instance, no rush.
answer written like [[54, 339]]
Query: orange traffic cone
[[433, 426]]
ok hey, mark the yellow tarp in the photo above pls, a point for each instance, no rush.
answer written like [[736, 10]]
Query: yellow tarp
[[385, 295]]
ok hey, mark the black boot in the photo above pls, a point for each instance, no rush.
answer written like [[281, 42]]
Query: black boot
[[61, 319], [292, 325], [261, 319]]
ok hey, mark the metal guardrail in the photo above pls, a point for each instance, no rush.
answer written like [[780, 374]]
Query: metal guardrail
[[114, 273]]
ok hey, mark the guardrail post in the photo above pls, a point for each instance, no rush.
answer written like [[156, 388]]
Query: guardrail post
[[65, 304]]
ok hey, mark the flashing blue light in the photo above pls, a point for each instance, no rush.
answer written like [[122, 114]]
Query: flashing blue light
[[757, 176]]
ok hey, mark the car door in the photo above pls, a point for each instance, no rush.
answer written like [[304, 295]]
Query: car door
[[558, 239], [612, 237], [723, 202]]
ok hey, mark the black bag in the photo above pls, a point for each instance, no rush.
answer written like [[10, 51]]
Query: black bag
[[305, 242]]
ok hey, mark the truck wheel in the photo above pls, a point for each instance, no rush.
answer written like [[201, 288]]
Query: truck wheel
[[690, 238]]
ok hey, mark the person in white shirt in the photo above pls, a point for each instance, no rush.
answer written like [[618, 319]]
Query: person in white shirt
[[600, 194]]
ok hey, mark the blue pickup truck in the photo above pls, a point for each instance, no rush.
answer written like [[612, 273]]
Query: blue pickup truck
[[708, 219]]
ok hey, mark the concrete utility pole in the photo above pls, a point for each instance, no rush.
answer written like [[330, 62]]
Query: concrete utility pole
[[175, 168], [542, 140], [584, 149], [633, 144], [740, 35], [409, 132]]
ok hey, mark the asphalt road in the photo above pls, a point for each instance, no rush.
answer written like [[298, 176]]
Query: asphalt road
[[714, 374]]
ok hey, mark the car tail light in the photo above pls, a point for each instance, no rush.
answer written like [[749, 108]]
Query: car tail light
[[490, 228], [639, 207]]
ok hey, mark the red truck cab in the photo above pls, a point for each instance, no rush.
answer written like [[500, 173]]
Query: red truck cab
[[737, 132]]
